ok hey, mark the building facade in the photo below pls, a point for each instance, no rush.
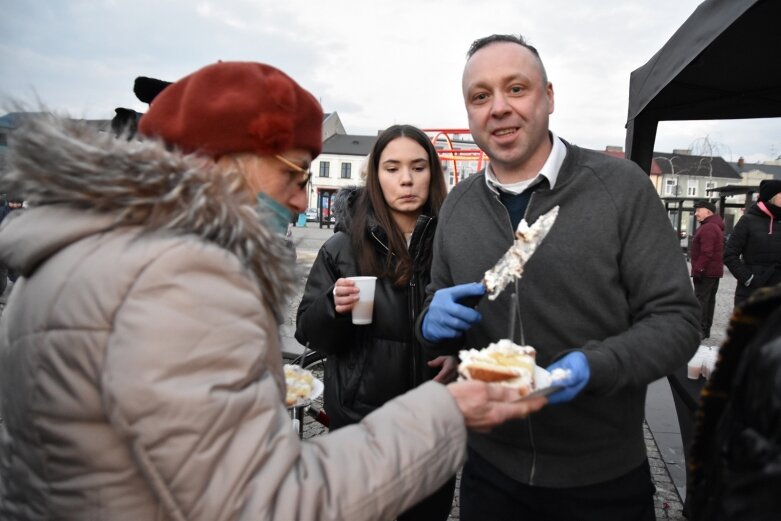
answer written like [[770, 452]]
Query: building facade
[[339, 165]]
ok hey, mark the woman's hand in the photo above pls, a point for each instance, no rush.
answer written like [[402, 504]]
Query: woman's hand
[[345, 296], [485, 405], [448, 368]]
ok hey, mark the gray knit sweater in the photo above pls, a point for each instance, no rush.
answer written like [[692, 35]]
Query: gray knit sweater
[[609, 279]]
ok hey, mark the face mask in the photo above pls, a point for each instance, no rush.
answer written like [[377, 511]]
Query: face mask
[[275, 215]]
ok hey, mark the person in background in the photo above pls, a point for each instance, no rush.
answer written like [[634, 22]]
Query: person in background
[[341, 206], [6, 207], [4, 210], [753, 251], [11, 203], [385, 230], [125, 121], [140, 367], [707, 266], [606, 296]]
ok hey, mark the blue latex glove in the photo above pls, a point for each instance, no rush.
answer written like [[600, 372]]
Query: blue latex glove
[[579, 375], [446, 318]]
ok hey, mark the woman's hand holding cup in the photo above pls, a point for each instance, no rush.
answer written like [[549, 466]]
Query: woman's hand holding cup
[[356, 295], [345, 295]]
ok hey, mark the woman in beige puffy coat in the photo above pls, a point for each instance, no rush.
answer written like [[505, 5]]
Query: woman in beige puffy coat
[[140, 367]]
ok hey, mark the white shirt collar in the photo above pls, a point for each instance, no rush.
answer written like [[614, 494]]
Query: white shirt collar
[[550, 170]]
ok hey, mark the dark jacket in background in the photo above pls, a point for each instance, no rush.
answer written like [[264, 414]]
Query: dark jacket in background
[[366, 365], [5, 273], [736, 456], [4, 210], [707, 249], [752, 250]]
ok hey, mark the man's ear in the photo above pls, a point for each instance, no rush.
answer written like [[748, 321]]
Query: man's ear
[[549, 94]]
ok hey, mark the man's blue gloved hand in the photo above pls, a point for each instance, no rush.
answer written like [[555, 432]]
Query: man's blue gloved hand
[[578, 374], [446, 318]]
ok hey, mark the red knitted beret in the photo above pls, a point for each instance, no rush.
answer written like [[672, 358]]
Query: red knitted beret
[[232, 107]]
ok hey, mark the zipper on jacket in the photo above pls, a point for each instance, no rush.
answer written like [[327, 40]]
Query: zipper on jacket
[[529, 204], [413, 305], [410, 300], [534, 452], [507, 214], [529, 419], [414, 351], [533, 468], [374, 235], [411, 293]]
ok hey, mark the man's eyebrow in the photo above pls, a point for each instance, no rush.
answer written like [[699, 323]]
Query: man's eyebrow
[[518, 76]]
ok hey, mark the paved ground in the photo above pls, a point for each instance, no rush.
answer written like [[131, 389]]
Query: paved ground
[[660, 411], [661, 434]]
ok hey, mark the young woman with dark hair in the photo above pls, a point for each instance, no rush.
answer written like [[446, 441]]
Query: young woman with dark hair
[[386, 231]]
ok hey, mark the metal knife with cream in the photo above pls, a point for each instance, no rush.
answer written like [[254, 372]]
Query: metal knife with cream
[[510, 266]]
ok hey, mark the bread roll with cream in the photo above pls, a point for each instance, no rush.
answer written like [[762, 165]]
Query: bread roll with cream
[[503, 362]]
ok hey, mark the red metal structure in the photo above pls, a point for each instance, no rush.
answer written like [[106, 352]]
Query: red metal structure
[[456, 154]]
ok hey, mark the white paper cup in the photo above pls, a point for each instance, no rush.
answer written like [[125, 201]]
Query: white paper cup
[[709, 363], [362, 312], [694, 367]]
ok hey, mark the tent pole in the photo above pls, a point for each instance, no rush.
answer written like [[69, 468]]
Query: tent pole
[[640, 138]]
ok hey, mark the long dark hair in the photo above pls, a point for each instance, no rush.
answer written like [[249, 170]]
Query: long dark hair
[[397, 264]]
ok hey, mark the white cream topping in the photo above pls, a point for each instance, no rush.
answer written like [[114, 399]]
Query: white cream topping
[[508, 355], [299, 383], [504, 348]]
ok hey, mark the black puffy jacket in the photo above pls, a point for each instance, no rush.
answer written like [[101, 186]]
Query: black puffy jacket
[[752, 250], [366, 365]]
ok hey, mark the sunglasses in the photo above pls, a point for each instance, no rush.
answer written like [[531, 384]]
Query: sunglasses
[[306, 174]]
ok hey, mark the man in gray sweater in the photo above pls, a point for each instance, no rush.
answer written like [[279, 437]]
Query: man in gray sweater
[[606, 296]]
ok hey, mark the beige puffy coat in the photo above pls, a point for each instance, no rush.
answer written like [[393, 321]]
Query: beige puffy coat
[[140, 368]]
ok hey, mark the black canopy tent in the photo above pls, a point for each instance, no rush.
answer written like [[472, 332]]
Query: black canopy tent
[[722, 63]]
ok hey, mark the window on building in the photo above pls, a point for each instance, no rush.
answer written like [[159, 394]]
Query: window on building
[[709, 185], [691, 189], [346, 170], [670, 187], [325, 168]]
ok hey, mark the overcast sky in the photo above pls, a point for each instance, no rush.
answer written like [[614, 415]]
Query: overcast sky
[[374, 62]]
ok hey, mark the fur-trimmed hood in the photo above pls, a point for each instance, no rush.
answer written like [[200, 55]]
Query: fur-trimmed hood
[[343, 207], [57, 161]]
